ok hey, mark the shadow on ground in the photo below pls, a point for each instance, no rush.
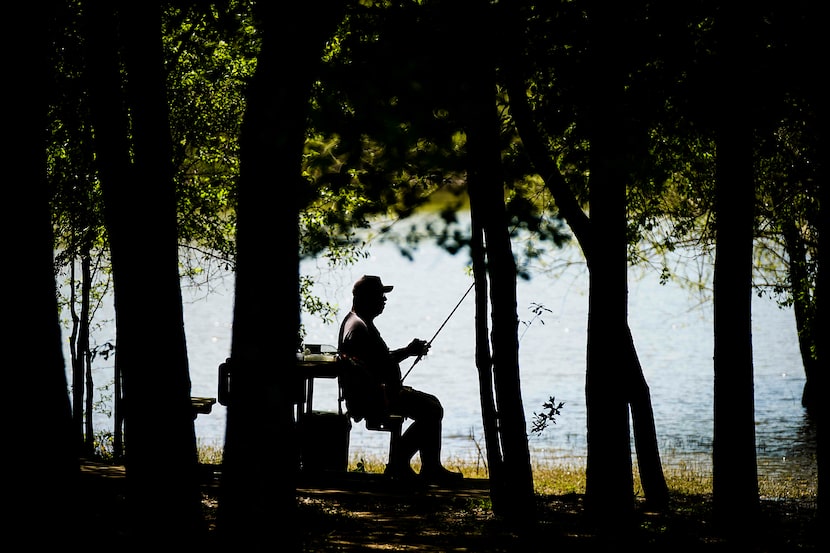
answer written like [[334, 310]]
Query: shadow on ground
[[350, 512]]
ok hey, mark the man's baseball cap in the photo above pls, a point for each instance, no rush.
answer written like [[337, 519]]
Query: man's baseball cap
[[370, 285]]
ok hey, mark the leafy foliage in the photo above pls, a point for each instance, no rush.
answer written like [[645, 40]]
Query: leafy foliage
[[541, 420]]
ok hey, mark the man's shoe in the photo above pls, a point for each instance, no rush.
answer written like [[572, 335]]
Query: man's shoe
[[441, 476]]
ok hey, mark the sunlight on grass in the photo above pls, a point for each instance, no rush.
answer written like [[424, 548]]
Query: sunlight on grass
[[209, 454], [550, 479], [557, 477]]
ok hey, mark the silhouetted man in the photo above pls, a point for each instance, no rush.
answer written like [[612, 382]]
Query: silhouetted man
[[361, 342]]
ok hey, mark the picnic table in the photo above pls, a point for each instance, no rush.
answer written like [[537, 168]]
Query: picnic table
[[202, 405], [323, 433]]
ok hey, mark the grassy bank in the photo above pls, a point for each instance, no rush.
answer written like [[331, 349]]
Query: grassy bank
[[563, 479], [557, 478]]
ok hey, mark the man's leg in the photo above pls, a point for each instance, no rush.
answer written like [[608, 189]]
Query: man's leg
[[424, 433]]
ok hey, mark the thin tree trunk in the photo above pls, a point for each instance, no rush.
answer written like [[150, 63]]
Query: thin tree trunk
[[484, 175], [111, 142], [76, 358], [484, 360], [84, 353], [803, 308], [650, 466]]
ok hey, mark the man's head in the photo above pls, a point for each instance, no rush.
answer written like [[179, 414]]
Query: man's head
[[369, 286], [369, 296]]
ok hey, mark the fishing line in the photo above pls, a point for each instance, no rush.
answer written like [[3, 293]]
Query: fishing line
[[417, 359]]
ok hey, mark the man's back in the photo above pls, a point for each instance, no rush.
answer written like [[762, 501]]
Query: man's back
[[361, 341]]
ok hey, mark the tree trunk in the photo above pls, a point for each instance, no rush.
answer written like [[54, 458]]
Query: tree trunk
[[734, 472], [163, 498], [165, 379], [822, 413], [484, 360], [816, 41], [84, 354], [45, 480], [609, 497], [735, 483], [77, 359], [609, 484], [258, 504], [648, 455], [803, 307], [485, 181], [518, 475], [650, 466]]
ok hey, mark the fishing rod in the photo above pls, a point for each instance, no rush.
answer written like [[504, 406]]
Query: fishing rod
[[417, 359]]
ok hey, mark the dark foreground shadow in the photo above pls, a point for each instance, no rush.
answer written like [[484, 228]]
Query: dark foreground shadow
[[350, 512]]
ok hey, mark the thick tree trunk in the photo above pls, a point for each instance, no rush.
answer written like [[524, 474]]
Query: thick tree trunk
[[140, 211], [734, 468], [45, 481], [260, 462], [820, 92], [609, 496], [822, 412], [648, 455], [735, 482], [258, 505], [158, 371]]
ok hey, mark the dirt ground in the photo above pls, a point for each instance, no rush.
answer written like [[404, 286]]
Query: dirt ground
[[350, 512]]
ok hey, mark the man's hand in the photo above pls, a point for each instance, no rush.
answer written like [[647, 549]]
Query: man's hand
[[417, 347]]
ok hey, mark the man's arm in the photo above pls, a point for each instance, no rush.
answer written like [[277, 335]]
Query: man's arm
[[415, 347]]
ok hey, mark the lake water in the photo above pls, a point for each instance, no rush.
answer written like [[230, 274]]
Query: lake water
[[672, 333]]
